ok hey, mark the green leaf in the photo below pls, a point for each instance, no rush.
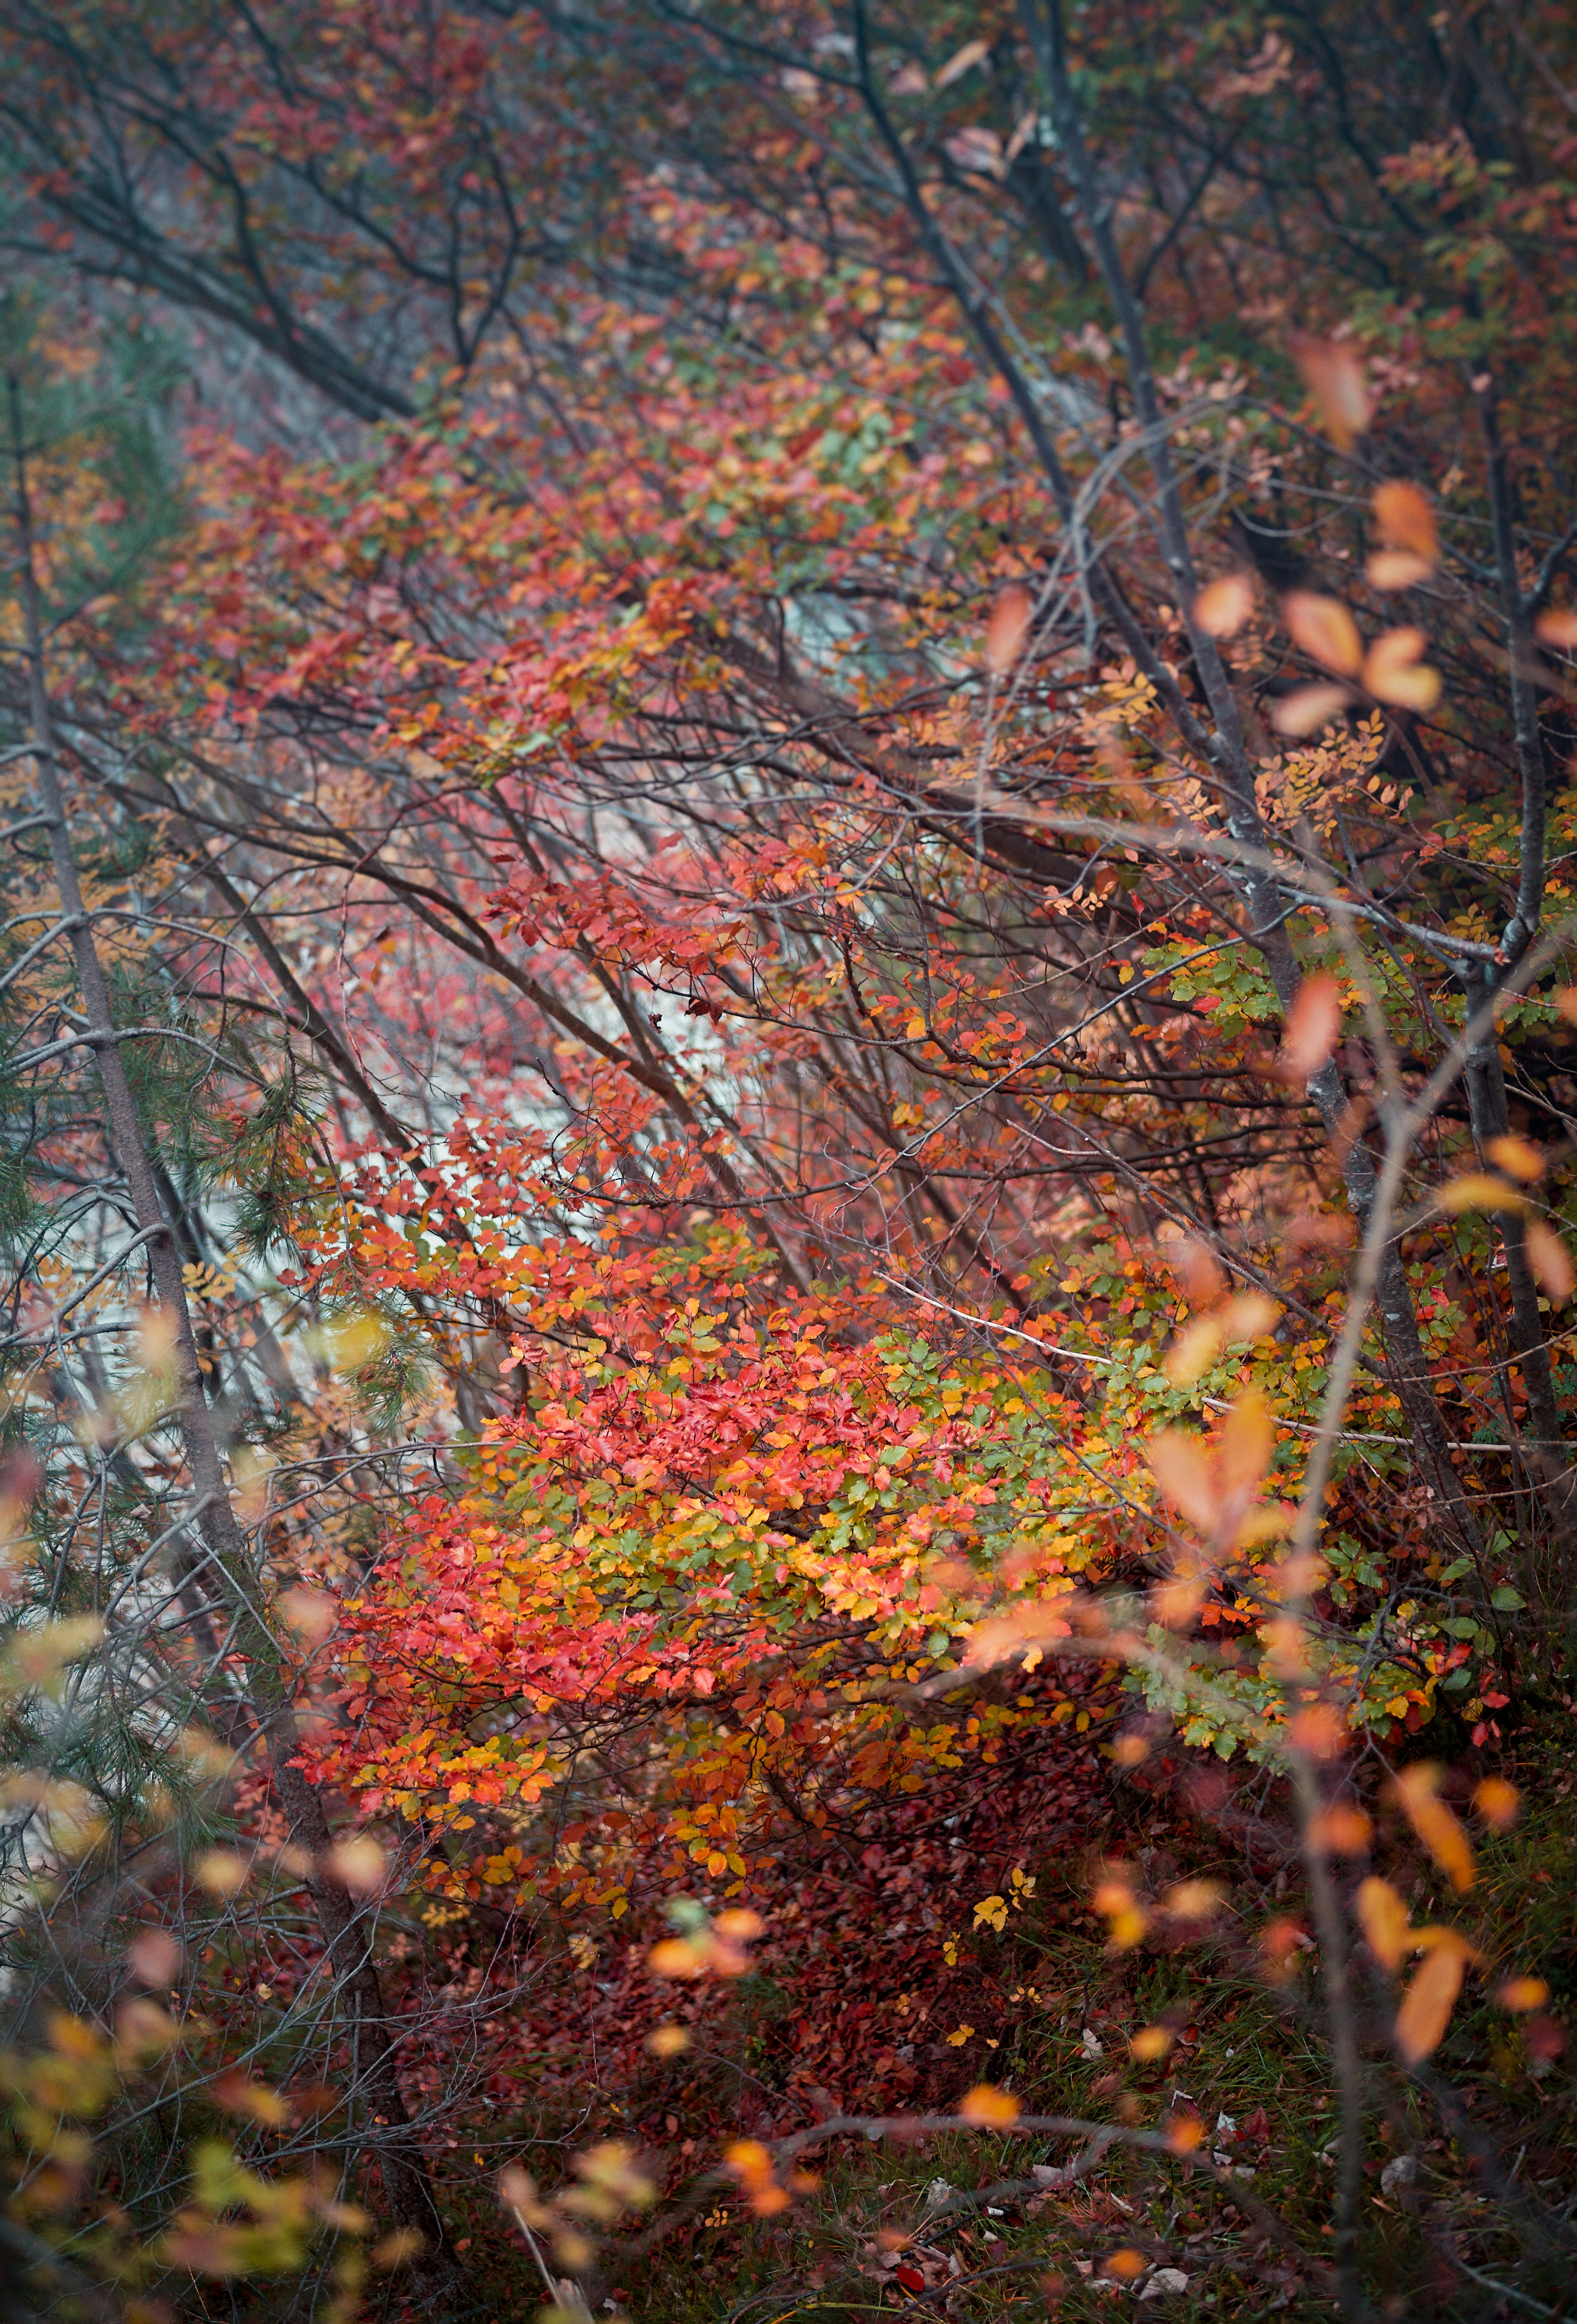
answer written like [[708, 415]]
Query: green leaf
[[1505, 1599]]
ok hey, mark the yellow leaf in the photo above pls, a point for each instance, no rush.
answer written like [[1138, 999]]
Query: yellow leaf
[[1149, 2042], [990, 2107], [221, 1872], [1519, 1157], [1383, 1918], [1477, 1191], [959, 2036], [1434, 1824], [1428, 2002], [358, 1865]]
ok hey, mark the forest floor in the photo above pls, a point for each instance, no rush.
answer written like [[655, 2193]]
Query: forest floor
[[958, 2225]]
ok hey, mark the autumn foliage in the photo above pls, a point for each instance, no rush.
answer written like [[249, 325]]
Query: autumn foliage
[[817, 768]]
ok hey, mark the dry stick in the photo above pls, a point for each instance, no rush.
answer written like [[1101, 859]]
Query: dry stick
[[347, 1930]]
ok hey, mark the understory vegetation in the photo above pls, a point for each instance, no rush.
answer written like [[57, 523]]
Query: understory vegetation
[[788, 1084]]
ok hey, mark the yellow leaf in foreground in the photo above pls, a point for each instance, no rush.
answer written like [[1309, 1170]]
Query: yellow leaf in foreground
[[1428, 2002], [1477, 1191], [1383, 1917], [1434, 1824]]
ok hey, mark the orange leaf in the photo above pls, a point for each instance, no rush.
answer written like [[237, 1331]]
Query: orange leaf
[[1433, 1820], [1325, 630], [1185, 1475], [957, 66], [1007, 628], [1477, 1191], [1428, 2002], [1221, 607], [1341, 1830], [1311, 706], [1314, 1028], [1523, 1993], [1393, 672], [1396, 569], [1558, 627], [1126, 2265], [991, 2108], [1551, 1262], [1406, 516], [1383, 1917], [1245, 1446], [1519, 1157], [1334, 379], [1498, 1802]]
